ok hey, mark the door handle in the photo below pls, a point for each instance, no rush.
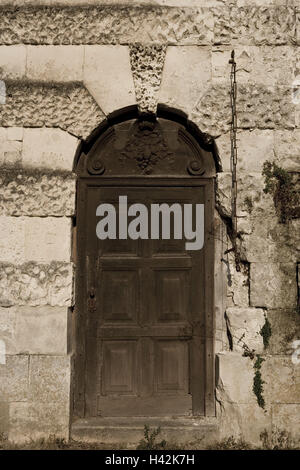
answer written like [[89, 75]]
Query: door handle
[[91, 300]]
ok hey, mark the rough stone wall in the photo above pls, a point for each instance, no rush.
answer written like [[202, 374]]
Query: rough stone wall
[[65, 66]]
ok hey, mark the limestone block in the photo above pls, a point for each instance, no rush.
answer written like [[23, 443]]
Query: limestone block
[[14, 378], [212, 111], [224, 146], [12, 239], [108, 76], [252, 200], [68, 106], [264, 65], [265, 107], [245, 325], [286, 147], [10, 149], [285, 326], [285, 241], [47, 239], [147, 63], [254, 148], [34, 330], [35, 239], [223, 192], [33, 193], [41, 330], [8, 329], [4, 418], [287, 418], [15, 133], [186, 76], [107, 24], [237, 283], [282, 380], [49, 379], [262, 25], [235, 378], [12, 62], [36, 284], [55, 63], [220, 64], [273, 285], [33, 421], [246, 421], [48, 148], [270, 241], [179, 3]]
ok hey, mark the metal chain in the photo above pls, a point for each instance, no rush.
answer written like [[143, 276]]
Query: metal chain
[[233, 132]]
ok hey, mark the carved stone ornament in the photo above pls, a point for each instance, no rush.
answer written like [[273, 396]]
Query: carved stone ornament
[[147, 146]]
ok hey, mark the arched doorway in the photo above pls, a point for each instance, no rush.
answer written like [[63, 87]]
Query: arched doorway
[[144, 307]]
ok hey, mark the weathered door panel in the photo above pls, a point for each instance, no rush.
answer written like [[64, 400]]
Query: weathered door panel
[[145, 308]]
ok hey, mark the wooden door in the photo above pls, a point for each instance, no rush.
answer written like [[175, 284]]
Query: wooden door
[[146, 315], [144, 308]]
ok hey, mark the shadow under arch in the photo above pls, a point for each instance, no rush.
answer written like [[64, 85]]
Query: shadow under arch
[[204, 140]]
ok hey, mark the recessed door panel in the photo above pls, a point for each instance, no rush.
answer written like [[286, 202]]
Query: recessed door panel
[[145, 314]]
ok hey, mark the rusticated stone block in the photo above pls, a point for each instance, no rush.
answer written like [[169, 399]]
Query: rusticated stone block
[[106, 25], [263, 25], [14, 378], [213, 112], [245, 325], [273, 285], [34, 330], [265, 107], [49, 379], [68, 106], [147, 62], [53, 149], [36, 193], [36, 284], [33, 421], [258, 107], [282, 380]]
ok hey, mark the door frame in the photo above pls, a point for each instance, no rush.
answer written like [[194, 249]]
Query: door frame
[[80, 330]]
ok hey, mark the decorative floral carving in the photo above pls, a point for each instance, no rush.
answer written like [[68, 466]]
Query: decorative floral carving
[[147, 146]]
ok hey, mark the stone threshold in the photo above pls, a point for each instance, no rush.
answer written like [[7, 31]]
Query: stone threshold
[[130, 430]]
